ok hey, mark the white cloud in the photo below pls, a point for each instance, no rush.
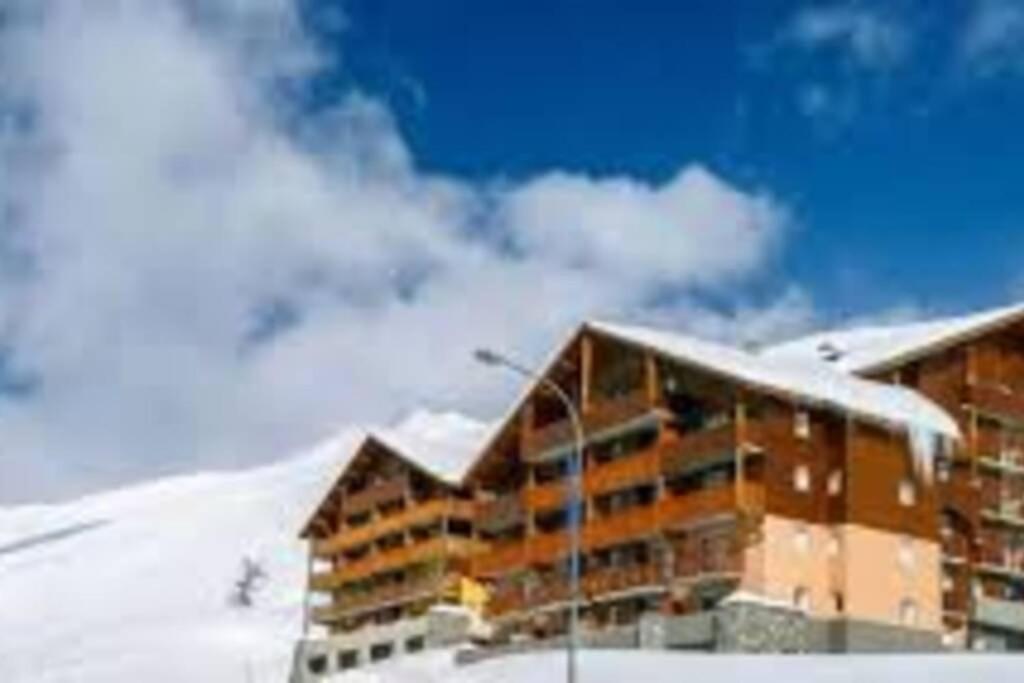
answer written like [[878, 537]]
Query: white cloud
[[865, 36], [189, 281], [993, 38]]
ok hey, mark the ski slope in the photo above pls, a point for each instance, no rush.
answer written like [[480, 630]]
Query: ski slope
[[134, 584]]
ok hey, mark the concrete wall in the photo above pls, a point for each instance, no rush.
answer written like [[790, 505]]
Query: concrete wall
[[440, 627]]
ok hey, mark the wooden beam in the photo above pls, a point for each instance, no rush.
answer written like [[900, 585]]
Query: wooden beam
[[586, 372], [651, 376], [740, 435]]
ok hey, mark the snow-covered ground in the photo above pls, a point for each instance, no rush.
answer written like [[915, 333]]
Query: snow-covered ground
[[666, 667], [132, 586]]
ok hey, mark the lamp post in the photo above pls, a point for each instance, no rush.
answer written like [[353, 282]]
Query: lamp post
[[495, 359]]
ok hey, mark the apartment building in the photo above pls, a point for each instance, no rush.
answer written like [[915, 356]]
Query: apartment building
[[856, 490], [972, 366], [790, 501], [389, 549]]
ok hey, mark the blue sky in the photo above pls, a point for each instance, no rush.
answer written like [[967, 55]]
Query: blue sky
[[228, 228], [909, 187]]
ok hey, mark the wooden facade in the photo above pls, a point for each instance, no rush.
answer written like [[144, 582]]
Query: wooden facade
[[697, 485], [979, 380], [680, 471], [389, 541]]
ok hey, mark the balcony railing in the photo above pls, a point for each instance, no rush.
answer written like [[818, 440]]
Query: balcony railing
[[602, 415], [623, 472], [375, 495], [389, 560], [502, 512], [417, 515], [500, 558], [380, 597], [670, 513], [595, 585], [694, 450]]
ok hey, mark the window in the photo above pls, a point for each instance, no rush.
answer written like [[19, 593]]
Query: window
[[802, 539], [802, 478], [348, 659], [947, 582], [802, 599], [381, 651], [802, 424], [907, 493], [838, 602], [905, 554], [908, 612], [835, 482], [318, 664], [834, 543], [414, 644]]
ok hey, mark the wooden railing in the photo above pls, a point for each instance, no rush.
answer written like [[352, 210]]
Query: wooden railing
[[416, 515], [499, 558], [997, 400], [694, 447], [602, 414], [500, 513], [374, 495], [380, 596], [632, 469], [678, 511], [672, 512], [594, 585], [415, 553]]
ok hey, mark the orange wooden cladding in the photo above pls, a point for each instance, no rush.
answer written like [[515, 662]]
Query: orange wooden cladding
[[413, 516], [594, 584], [695, 446], [393, 559], [499, 558], [601, 415], [996, 400], [644, 466], [374, 495], [380, 596], [638, 522]]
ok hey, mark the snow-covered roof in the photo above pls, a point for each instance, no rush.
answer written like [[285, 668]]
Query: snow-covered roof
[[443, 444], [874, 348], [812, 383]]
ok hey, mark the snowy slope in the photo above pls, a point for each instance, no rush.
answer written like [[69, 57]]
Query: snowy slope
[[133, 585]]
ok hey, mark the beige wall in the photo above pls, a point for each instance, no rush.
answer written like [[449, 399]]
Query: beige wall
[[874, 571]]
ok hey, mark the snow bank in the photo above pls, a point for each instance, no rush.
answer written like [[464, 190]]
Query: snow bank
[[664, 667]]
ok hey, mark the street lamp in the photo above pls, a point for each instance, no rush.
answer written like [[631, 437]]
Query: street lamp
[[495, 359]]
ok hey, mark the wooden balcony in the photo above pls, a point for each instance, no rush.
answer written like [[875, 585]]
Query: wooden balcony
[[435, 548], [503, 512], [595, 585], [601, 415], [374, 495], [670, 513], [997, 401], [380, 597], [417, 515], [678, 512], [696, 448], [499, 558], [623, 472]]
